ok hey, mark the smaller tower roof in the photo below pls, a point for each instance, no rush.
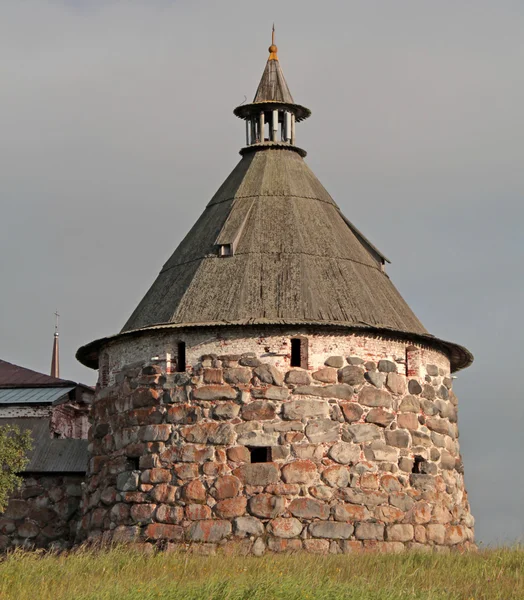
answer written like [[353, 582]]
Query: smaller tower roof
[[273, 91], [273, 86], [55, 360]]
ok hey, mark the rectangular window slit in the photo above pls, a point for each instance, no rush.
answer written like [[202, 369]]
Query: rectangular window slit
[[295, 352], [299, 352], [260, 454], [181, 358]]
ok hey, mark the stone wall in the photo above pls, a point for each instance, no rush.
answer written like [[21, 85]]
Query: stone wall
[[270, 344], [43, 513], [242, 450]]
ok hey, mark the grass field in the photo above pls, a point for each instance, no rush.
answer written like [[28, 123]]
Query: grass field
[[126, 574]]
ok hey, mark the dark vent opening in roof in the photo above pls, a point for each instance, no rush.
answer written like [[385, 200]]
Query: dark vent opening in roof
[[260, 454], [225, 250], [181, 358]]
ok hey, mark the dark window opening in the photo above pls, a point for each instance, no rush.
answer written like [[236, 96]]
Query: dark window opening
[[260, 454], [181, 358], [299, 353], [295, 352], [135, 462], [416, 464]]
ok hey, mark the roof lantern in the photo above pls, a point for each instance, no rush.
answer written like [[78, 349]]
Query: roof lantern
[[271, 117]]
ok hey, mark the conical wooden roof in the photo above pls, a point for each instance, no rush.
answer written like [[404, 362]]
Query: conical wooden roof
[[272, 247], [295, 258], [273, 86]]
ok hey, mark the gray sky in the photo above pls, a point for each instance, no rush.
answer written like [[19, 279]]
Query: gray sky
[[117, 127]]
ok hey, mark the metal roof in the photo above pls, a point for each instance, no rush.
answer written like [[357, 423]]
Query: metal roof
[[16, 376], [43, 395], [51, 454]]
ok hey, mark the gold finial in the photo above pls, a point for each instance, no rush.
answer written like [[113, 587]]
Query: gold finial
[[273, 49]]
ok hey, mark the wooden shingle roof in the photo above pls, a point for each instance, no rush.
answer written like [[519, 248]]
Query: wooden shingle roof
[[273, 86], [272, 93], [295, 258], [273, 248]]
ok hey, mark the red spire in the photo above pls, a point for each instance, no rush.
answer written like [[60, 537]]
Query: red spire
[[55, 360]]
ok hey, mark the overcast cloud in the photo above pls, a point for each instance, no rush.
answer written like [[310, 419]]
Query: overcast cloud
[[117, 127]]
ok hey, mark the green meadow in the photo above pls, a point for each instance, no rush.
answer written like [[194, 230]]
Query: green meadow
[[123, 574]]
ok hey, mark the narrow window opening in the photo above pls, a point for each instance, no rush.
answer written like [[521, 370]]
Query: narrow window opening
[[299, 353], [416, 464], [181, 358], [135, 462], [260, 454], [413, 361], [295, 352]]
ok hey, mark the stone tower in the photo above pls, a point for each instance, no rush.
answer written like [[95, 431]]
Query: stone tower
[[273, 391]]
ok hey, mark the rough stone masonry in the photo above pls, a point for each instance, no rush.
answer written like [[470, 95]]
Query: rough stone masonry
[[241, 451], [43, 513]]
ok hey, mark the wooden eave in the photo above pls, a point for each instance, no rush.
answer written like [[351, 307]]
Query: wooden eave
[[247, 111]]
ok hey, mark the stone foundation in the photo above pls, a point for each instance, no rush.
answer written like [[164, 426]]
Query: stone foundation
[[357, 451], [43, 513]]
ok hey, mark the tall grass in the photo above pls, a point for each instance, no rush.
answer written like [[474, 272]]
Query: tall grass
[[124, 574]]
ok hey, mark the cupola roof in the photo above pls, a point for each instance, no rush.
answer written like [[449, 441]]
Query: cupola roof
[[273, 86], [273, 91], [273, 247]]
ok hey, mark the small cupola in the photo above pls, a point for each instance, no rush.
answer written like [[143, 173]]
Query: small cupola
[[271, 117]]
